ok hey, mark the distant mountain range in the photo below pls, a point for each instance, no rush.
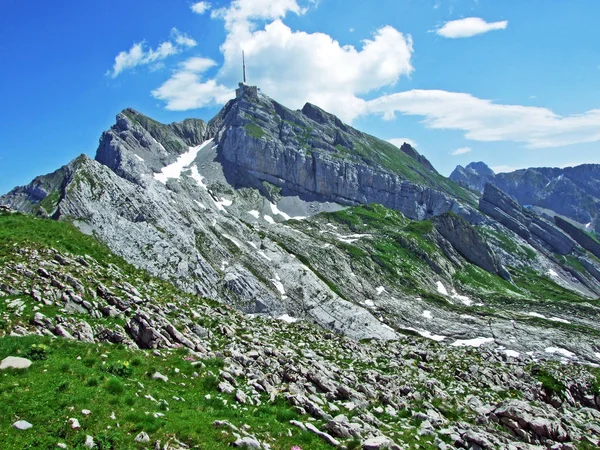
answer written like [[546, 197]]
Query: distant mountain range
[[572, 192]]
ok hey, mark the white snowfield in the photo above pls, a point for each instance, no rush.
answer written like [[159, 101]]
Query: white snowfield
[[287, 318], [541, 316], [561, 351], [174, 170], [477, 342]]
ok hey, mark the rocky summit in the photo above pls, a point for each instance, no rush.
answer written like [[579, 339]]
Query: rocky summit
[[278, 279]]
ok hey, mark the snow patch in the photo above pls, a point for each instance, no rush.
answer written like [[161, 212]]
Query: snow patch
[[552, 273], [561, 351], [253, 245], [558, 319], [223, 202], [278, 284], [197, 177], [369, 303], [541, 316], [268, 219], [232, 239], [261, 253], [380, 290], [429, 335], [597, 355], [287, 318], [511, 353], [427, 315], [254, 213], [463, 299], [138, 157], [441, 288], [174, 170], [477, 342], [199, 204], [276, 212]]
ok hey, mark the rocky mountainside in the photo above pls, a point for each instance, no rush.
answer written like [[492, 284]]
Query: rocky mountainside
[[572, 192], [272, 211], [141, 364]]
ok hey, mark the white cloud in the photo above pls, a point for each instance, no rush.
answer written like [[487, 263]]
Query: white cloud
[[505, 168], [186, 89], [461, 151], [483, 120], [295, 67], [399, 141], [468, 27], [138, 55], [200, 7]]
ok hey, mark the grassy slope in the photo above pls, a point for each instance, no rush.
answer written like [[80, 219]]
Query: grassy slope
[[77, 376]]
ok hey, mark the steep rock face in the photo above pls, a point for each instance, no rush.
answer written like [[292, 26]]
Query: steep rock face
[[573, 192], [579, 236], [312, 153], [469, 244], [501, 207]]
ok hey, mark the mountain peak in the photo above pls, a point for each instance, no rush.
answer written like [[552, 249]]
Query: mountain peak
[[474, 176]]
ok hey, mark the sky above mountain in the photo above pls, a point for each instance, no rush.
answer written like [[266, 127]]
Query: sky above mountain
[[514, 84]]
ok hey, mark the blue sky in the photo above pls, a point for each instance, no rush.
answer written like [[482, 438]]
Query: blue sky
[[511, 83]]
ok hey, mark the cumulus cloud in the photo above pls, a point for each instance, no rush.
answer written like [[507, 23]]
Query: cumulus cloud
[[295, 67], [139, 55], [461, 151], [187, 90], [484, 120], [399, 141], [200, 7], [468, 27]]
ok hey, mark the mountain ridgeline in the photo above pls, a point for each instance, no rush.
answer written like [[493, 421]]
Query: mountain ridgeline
[[295, 214], [571, 192]]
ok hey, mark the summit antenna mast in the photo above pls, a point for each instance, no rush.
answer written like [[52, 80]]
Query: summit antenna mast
[[244, 65]]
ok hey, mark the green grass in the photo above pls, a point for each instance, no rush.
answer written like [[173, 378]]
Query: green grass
[[254, 130], [550, 383], [24, 230], [75, 377], [542, 287]]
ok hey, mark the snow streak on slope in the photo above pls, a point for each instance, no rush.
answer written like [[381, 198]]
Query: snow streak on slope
[[174, 170]]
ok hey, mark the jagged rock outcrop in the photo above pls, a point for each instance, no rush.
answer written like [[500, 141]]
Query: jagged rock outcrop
[[474, 176], [469, 244], [580, 236], [532, 228]]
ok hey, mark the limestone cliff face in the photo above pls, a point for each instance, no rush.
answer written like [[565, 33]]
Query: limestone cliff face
[[312, 153]]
